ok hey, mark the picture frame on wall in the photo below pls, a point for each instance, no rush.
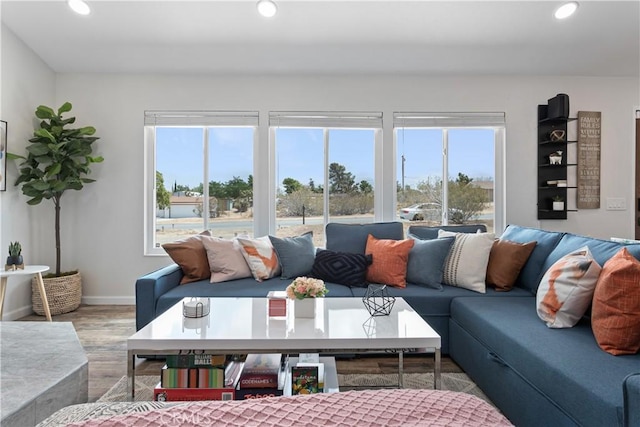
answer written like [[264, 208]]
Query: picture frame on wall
[[3, 155]]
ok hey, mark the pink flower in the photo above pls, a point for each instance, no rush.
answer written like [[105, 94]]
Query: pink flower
[[306, 287]]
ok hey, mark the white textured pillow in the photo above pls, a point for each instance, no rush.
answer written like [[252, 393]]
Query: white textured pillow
[[226, 261], [566, 289], [260, 256], [466, 264]]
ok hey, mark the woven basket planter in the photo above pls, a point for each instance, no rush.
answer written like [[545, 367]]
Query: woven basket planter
[[63, 293]]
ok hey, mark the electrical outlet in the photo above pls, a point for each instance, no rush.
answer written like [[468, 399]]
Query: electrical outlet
[[616, 204]]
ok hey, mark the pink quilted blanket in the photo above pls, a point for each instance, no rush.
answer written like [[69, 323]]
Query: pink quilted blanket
[[404, 407]]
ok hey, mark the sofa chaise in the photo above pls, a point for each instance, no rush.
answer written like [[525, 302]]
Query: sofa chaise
[[536, 375]]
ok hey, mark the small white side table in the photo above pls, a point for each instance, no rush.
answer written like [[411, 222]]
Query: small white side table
[[28, 270]]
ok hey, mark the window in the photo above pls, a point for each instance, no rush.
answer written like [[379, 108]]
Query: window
[[325, 170], [184, 150], [447, 169]]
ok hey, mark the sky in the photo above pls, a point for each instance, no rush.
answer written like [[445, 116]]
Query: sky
[[300, 154]]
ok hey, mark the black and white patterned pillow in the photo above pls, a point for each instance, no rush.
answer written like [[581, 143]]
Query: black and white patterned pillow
[[341, 267]]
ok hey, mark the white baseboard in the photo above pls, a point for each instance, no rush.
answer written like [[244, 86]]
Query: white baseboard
[[18, 313], [27, 310], [109, 300]]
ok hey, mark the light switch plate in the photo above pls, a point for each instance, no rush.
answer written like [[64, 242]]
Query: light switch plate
[[616, 204]]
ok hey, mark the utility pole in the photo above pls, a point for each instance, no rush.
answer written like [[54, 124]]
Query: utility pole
[[403, 160]]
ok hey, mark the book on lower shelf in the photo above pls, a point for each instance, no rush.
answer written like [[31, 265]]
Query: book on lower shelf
[[261, 371], [167, 394], [196, 360], [192, 377], [304, 380], [257, 393], [327, 374], [320, 367], [232, 372]]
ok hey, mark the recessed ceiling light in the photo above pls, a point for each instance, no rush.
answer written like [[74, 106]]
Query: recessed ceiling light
[[267, 8], [79, 6], [566, 10]]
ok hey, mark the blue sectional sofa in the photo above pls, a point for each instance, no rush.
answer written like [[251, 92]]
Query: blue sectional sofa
[[537, 376]]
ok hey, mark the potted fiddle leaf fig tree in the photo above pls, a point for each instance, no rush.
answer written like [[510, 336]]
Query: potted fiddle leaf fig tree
[[58, 159]]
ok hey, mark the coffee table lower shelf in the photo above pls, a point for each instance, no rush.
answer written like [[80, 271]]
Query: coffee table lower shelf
[[331, 372]]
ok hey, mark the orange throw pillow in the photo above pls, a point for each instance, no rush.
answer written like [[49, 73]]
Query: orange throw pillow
[[191, 256], [390, 258], [505, 262], [615, 314]]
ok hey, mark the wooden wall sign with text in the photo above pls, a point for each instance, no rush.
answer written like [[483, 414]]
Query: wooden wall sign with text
[[589, 146]]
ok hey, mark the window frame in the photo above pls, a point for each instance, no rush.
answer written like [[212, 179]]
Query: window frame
[[448, 121], [182, 119], [327, 121]]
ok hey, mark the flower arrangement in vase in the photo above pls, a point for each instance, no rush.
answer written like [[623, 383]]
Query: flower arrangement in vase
[[306, 287], [305, 290]]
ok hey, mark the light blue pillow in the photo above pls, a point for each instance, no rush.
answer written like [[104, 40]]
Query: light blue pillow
[[295, 254], [426, 261]]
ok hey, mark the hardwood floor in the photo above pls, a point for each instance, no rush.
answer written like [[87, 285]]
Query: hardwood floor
[[103, 331]]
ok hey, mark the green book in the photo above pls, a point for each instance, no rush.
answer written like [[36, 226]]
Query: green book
[[304, 379]]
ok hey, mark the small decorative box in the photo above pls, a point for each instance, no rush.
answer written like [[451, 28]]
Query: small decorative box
[[277, 301]]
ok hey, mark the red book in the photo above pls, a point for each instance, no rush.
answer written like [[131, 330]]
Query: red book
[[257, 393], [164, 394]]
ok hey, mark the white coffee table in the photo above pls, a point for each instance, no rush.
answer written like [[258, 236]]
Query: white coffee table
[[241, 325], [29, 270]]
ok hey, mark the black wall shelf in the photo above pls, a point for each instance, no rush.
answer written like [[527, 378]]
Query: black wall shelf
[[552, 172]]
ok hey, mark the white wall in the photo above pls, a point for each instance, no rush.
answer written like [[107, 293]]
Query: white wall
[[25, 83], [106, 243]]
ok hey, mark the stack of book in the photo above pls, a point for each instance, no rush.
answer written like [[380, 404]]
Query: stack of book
[[197, 377], [262, 376]]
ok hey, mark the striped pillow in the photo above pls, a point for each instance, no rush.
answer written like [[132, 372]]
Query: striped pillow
[[466, 264]]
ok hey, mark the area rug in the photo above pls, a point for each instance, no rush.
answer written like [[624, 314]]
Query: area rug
[[450, 381]]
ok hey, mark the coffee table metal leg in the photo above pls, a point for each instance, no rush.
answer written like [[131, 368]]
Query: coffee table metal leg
[[131, 375], [436, 370], [400, 369]]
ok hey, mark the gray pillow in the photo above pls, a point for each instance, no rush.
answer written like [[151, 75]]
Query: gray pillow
[[426, 261], [352, 238], [295, 254]]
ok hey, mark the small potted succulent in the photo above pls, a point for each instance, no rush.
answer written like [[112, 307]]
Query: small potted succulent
[[558, 203], [14, 260]]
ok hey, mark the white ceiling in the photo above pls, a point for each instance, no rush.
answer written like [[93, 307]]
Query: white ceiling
[[327, 36]]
